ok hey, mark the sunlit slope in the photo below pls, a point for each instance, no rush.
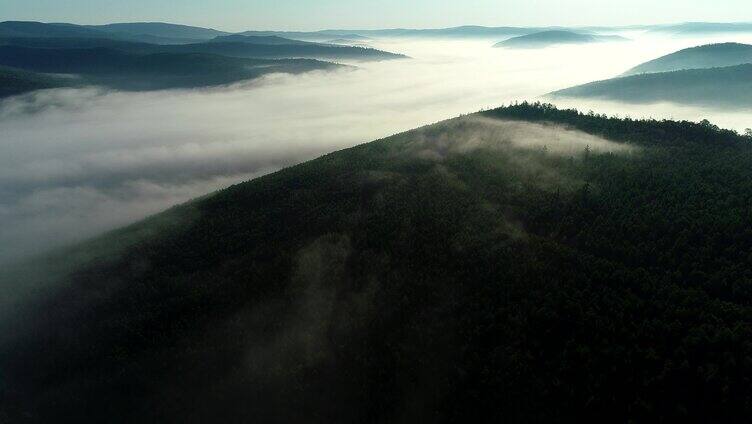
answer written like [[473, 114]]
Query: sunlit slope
[[524, 264]]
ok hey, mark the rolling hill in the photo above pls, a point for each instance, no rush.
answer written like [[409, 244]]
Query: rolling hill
[[470, 31], [552, 38], [127, 71], [160, 31], [268, 40], [729, 87], [39, 29], [525, 264], [149, 33], [707, 56], [279, 51], [261, 47]]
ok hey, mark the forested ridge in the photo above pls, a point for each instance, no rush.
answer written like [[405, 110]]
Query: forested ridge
[[116, 69], [706, 56], [446, 274], [725, 87], [153, 56]]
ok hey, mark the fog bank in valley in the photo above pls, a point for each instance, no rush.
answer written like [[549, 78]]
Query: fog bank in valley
[[75, 163]]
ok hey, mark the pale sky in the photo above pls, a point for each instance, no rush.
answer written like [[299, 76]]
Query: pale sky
[[237, 15]]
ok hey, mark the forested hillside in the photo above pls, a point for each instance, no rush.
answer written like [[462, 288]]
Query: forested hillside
[[114, 68], [523, 264], [728, 87], [16, 81], [707, 56]]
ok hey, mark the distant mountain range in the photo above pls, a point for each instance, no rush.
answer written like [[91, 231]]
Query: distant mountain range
[[556, 37], [475, 31], [163, 43], [34, 34], [271, 40], [708, 56], [703, 28], [158, 33], [128, 71], [117, 56], [717, 75], [268, 47], [166, 33], [724, 87], [455, 32]]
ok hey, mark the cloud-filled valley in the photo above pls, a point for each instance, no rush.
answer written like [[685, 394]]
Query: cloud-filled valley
[[77, 162]]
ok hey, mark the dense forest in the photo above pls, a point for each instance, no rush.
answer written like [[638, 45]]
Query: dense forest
[[522, 264], [153, 56], [727, 87], [115, 56], [16, 81], [127, 71], [240, 46]]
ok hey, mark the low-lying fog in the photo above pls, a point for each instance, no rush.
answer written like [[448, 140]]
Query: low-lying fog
[[74, 163]]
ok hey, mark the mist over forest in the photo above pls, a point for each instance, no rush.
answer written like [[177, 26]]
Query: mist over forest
[[471, 223], [74, 168]]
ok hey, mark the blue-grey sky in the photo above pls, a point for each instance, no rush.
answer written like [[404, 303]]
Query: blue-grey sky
[[239, 15]]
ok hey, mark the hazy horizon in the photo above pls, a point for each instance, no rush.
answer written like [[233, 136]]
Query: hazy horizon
[[309, 15], [625, 26]]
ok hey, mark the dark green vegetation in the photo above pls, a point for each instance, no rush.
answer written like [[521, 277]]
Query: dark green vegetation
[[99, 58], [147, 56], [707, 56], [728, 87], [552, 38], [127, 71], [444, 274], [15, 81], [717, 75], [249, 47], [263, 47]]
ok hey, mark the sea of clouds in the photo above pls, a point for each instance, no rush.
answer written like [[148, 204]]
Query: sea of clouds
[[77, 162]]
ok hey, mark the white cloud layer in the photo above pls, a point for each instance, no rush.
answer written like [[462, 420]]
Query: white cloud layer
[[75, 163]]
